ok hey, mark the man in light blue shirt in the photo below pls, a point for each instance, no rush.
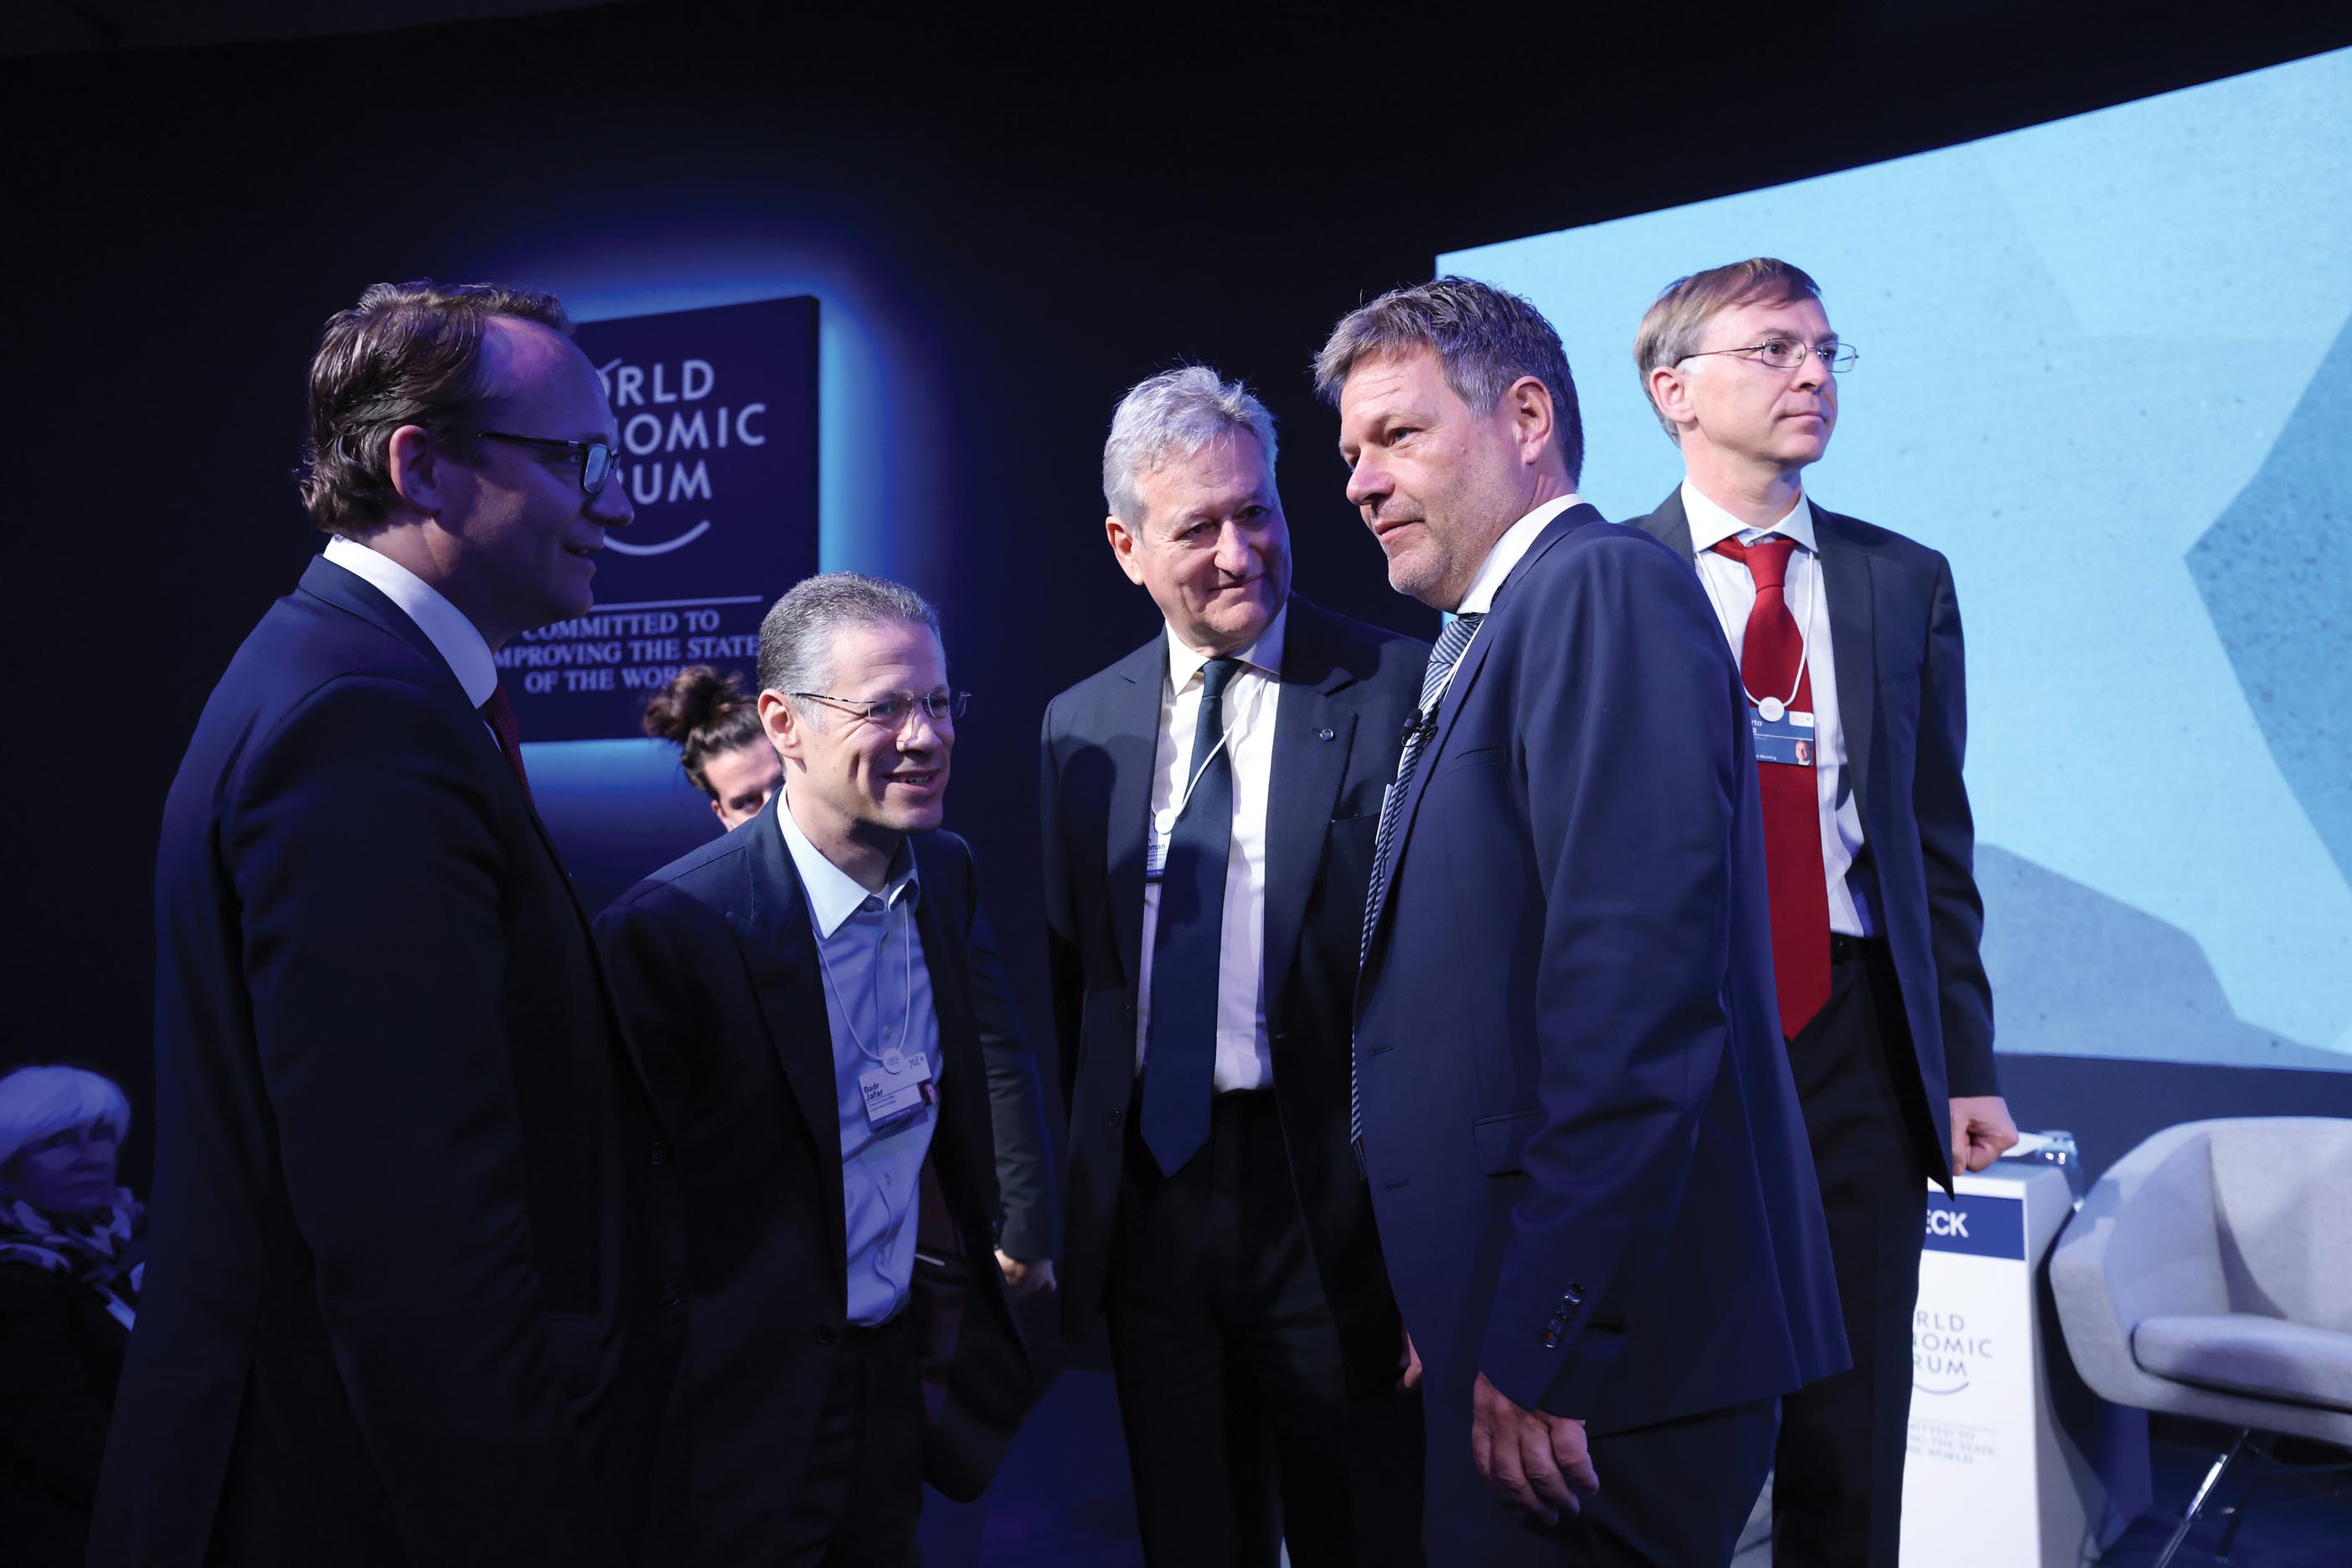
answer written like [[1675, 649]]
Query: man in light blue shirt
[[816, 999]]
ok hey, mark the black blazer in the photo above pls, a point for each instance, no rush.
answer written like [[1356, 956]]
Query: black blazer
[[403, 1300], [714, 960], [1894, 626], [1347, 691]]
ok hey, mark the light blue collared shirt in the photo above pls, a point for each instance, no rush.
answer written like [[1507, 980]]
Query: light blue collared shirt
[[877, 993]]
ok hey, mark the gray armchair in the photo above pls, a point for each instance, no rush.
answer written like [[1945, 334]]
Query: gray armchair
[[2208, 1274]]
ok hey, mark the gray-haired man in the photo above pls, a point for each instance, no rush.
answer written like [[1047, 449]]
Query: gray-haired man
[[1209, 801]]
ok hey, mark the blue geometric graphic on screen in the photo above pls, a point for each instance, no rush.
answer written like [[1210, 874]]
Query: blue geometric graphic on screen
[[2080, 343], [2276, 571]]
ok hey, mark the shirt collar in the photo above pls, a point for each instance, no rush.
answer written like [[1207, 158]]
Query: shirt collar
[[1507, 552], [456, 638], [1710, 525], [1264, 656], [833, 894]]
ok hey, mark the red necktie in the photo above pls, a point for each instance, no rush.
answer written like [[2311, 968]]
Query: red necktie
[[1771, 662], [500, 711]]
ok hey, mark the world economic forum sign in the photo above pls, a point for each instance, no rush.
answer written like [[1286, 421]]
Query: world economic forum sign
[[717, 412]]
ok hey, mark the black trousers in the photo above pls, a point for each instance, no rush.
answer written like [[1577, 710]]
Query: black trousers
[[1837, 1484], [861, 1496], [1231, 1383], [1674, 1495]]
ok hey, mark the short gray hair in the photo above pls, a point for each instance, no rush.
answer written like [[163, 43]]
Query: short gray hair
[[1484, 338], [796, 635], [1175, 413]]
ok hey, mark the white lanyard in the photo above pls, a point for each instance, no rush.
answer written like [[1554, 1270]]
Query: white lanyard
[[1771, 708], [906, 1014]]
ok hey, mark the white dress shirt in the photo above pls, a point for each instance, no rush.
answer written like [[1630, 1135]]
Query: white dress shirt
[[1806, 593], [1250, 702], [460, 643]]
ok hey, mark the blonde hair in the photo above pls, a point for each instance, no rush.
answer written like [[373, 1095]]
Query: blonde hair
[[1670, 328], [36, 1101]]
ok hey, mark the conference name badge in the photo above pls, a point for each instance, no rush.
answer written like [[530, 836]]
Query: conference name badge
[[1782, 735], [894, 1099]]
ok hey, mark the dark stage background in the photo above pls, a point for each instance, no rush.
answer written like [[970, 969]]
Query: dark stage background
[[1005, 223]]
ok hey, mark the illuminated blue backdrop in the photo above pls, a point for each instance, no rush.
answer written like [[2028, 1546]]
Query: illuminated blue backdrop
[[2106, 369]]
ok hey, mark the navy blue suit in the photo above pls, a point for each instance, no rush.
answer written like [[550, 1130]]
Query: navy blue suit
[[403, 1297], [1908, 1024], [714, 960], [1582, 1139]]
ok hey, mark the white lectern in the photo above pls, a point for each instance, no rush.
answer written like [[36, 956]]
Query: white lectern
[[1992, 1477]]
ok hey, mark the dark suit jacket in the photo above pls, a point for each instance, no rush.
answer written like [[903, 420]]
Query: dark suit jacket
[[1579, 1123], [1348, 690], [1894, 626], [714, 960], [403, 1302]]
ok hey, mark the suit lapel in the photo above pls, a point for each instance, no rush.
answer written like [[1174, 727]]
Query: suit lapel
[[1133, 738], [348, 591], [1307, 771], [1849, 581], [1671, 523], [772, 923], [964, 1115], [1465, 676]]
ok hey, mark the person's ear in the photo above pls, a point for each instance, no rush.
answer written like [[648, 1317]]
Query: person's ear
[[1123, 543], [1527, 404], [787, 728], [1670, 394], [417, 463]]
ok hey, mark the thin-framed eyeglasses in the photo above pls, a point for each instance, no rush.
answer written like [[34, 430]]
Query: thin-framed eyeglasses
[[596, 457], [891, 712], [1787, 354]]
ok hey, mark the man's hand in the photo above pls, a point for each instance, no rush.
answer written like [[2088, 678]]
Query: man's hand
[[1981, 1130], [1536, 1462], [1410, 1364], [1025, 1278]]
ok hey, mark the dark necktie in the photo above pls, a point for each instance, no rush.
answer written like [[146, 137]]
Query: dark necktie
[[1187, 942], [1451, 644], [1772, 666], [501, 714]]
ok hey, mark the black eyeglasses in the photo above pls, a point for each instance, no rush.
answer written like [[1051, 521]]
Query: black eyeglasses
[[596, 457], [893, 711], [1787, 354]]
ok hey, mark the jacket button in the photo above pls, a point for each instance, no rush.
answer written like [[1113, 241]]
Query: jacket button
[[672, 1297], [1573, 1295], [825, 1334], [660, 1152], [1117, 1116], [1551, 1339], [1326, 733]]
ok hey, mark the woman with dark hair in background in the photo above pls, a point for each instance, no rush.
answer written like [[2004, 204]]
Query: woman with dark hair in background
[[717, 727], [70, 1276]]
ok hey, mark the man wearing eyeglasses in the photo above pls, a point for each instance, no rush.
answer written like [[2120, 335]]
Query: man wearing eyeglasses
[[1848, 637], [814, 994], [405, 1299]]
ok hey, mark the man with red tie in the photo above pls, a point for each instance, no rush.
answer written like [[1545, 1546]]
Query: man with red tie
[[1848, 639]]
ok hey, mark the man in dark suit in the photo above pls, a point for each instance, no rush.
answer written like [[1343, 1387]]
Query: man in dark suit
[[1577, 1124], [1209, 807], [804, 992], [1849, 642], [404, 1301]]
